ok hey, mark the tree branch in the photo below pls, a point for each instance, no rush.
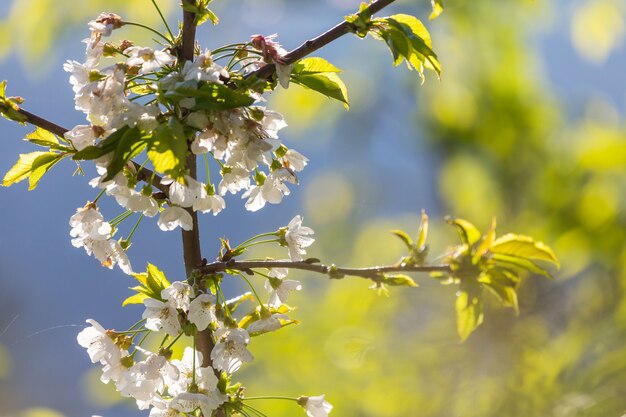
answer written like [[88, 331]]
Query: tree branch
[[143, 174], [372, 273], [314, 44]]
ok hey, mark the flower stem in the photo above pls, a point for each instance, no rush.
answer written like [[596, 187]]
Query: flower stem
[[256, 295], [156, 6], [254, 238], [151, 30]]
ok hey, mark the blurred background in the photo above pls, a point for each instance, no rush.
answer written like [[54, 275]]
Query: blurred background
[[525, 125]]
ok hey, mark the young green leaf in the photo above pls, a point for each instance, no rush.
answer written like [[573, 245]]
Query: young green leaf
[[503, 285], [153, 281], [404, 237], [326, 83], [129, 145], [523, 263], [44, 138], [469, 311], [468, 232], [422, 232], [32, 166], [167, 149], [212, 96], [523, 247], [399, 280], [437, 9], [41, 166], [420, 41], [485, 243], [104, 147], [314, 65]]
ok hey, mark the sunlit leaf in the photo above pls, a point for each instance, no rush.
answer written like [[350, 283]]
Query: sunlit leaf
[[502, 285], [32, 166], [485, 243], [422, 232], [109, 144], [469, 311], [522, 263], [167, 149], [326, 83], [523, 247], [314, 65], [404, 237], [468, 232], [399, 280], [134, 299], [437, 9], [130, 145]]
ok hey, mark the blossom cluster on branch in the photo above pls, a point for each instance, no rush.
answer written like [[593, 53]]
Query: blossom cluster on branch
[[173, 104]]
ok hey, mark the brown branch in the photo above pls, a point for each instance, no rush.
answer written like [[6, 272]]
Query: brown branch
[[373, 273], [314, 44], [143, 174], [191, 239]]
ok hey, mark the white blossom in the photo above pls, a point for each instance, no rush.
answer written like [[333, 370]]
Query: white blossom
[[315, 406], [231, 351], [297, 237], [179, 294], [279, 290], [294, 160], [172, 217], [202, 311], [272, 190], [160, 315], [149, 59], [267, 324]]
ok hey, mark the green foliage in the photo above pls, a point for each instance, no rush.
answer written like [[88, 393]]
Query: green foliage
[[33, 166], [9, 106], [437, 9], [201, 10], [319, 75], [47, 139], [167, 149], [484, 261], [408, 40], [153, 281], [211, 96]]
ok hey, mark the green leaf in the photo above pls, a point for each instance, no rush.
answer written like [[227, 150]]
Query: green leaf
[[437, 9], [314, 65], [156, 280], [42, 137], [134, 299], [469, 311], [404, 237], [468, 232], [41, 166], [167, 149], [104, 147], [211, 96], [523, 247], [327, 83], [128, 146], [9, 106], [399, 280], [420, 41], [522, 263], [485, 243], [153, 281], [32, 166], [422, 232], [503, 284]]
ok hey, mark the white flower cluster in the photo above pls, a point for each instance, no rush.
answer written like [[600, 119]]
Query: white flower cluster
[[241, 139], [89, 230], [184, 386]]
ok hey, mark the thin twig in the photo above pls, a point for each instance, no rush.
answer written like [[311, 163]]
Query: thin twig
[[373, 273], [143, 174], [314, 44]]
